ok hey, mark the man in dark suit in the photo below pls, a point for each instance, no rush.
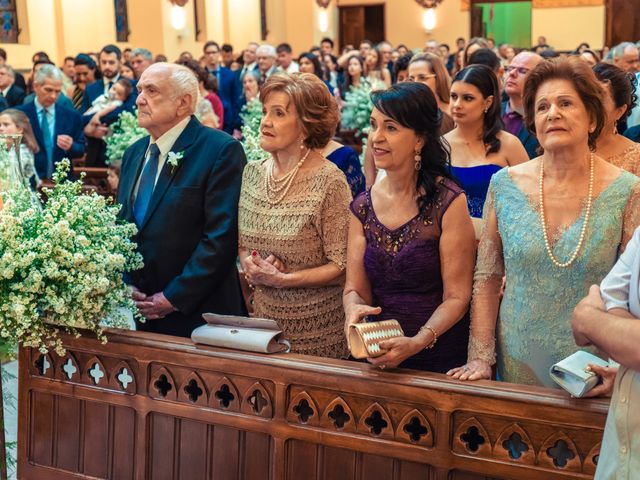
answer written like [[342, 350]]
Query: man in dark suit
[[513, 108], [110, 60], [57, 128], [227, 84], [181, 187], [8, 88], [19, 77]]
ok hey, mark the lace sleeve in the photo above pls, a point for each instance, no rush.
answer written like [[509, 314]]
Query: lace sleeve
[[334, 221], [487, 282], [631, 216]]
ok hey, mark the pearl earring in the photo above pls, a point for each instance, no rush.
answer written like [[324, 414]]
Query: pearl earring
[[417, 158]]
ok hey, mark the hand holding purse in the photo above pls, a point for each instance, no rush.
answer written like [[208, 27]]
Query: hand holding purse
[[571, 373], [365, 337]]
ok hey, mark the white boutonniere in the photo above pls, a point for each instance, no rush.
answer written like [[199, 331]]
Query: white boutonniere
[[173, 159]]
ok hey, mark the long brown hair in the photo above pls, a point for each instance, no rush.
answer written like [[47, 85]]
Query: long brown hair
[[22, 121]]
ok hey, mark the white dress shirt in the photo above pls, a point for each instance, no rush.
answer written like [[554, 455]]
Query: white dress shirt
[[165, 144]]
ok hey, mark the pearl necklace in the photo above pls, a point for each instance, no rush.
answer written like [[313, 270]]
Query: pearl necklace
[[584, 224], [277, 188]]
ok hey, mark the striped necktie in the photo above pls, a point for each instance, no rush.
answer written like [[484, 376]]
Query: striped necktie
[[78, 97]]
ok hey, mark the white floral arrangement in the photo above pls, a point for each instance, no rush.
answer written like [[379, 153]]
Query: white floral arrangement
[[251, 115], [62, 266], [173, 160], [124, 133]]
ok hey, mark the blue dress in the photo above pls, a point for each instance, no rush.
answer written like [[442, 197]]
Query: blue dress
[[347, 160], [475, 183], [534, 326]]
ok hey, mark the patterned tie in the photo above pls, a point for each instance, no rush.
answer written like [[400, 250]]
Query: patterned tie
[[48, 141], [78, 98], [147, 184]]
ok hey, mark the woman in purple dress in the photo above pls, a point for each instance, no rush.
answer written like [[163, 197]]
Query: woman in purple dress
[[411, 249]]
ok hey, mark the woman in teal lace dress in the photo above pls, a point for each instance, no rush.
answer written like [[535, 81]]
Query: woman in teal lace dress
[[553, 227]]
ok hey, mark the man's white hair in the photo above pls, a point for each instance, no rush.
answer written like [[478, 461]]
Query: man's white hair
[[268, 50], [618, 50], [47, 71], [184, 81]]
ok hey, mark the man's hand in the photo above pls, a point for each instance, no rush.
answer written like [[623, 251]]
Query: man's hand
[[65, 142], [155, 306], [579, 320]]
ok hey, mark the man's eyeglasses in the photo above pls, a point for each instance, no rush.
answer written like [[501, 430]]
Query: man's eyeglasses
[[520, 70]]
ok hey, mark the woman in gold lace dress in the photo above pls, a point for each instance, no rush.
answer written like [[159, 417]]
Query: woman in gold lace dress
[[293, 217], [619, 99]]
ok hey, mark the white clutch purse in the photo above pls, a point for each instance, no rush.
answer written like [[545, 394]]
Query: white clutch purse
[[571, 373], [242, 333]]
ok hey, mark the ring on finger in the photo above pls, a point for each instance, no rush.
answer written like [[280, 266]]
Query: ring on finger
[[382, 366]]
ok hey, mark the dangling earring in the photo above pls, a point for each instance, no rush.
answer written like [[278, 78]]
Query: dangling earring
[[418, 161]]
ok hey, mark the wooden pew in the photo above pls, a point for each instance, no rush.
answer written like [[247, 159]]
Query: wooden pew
[[147, 406]]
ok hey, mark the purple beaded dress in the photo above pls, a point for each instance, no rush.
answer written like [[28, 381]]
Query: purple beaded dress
[[403, 268]]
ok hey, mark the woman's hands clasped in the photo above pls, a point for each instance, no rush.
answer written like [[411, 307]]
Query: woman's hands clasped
[[473, 370], [268, 272]]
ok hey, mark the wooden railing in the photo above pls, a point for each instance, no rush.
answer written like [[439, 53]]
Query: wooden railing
[[147, 406]]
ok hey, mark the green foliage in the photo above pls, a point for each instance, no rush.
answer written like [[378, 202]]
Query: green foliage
[[251, 115], [356, 113], [124, 133]]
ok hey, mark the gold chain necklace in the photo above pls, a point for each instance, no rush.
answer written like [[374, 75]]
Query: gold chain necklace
[[583, 230], [277, 188]]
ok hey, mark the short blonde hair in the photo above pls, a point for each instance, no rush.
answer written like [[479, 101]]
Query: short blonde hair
[[316, 107]]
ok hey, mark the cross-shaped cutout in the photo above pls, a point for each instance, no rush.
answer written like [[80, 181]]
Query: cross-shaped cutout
[[42, 364], [69, 368], [193, 391], [376, 423], [339, 416], [257, 401], [472, 439], [96, 373], [225, 396], [415, 429], [303, 410], [561, 454], [124, 378], [162, 385], [515, 446]]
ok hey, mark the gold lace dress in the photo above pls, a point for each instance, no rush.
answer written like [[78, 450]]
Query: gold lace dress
[[628, 160], [307, 229]]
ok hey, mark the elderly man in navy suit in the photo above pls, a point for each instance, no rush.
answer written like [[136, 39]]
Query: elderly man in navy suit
[[57, 128], [181, 187]]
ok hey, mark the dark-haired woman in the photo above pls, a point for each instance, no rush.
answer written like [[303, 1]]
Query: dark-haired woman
[[354, 74], [620, 97], [411, 243], [310, 63], [479, 146]]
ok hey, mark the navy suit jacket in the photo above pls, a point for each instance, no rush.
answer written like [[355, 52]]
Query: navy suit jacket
[[228, 93], [3, 104], [94, 90], [15, 96], [189, 237], [67, 122], [528, 140]]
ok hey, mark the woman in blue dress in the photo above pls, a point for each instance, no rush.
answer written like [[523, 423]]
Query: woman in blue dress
[[479, 146]]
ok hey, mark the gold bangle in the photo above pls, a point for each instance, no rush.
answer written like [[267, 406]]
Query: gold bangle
[[435, 336]]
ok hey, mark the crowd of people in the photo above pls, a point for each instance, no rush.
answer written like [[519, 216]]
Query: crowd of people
[[500, 185]]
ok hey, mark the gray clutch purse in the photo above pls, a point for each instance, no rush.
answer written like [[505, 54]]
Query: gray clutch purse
[[571, 373]]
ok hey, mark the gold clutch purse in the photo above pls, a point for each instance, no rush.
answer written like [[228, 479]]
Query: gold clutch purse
[[365, 338]]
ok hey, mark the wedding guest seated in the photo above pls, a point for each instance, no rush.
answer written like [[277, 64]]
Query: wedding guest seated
[[347, 160], [411, 242], [184, 206], [293, 217], [428, 69], [205, 111], [126, 71], [553, 224], [85, 70], [141, 59], [401, 68], [620, 97], [250, 90], [474, 44], [376, 69], [118, 95], [512, 108], [13, 121], [57, 128], [8, 88], [354, 75], [479, 146], [62, 99], [590, 57], [266, 58], [113, 176], [607, 319], [19, 77]]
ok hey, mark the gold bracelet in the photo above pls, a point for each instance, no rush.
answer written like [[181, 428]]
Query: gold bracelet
[[435, 336]]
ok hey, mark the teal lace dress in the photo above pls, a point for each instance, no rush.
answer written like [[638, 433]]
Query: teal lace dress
[[533, 328]]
